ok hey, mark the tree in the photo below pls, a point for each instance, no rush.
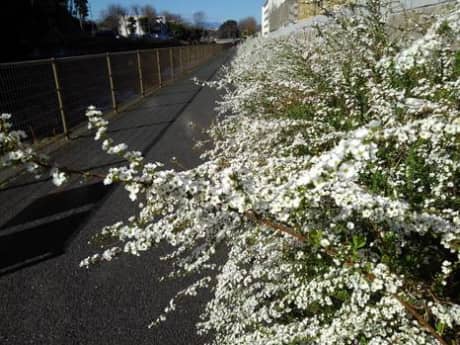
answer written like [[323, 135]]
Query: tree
[[199, 19], [147, 20], [248, 26], [41, 22], [179, 31], [229, 29], [78, 8], [131, 25], [111, 17], [149, 12], [144, 23], [135, 9], [172, 17], [81, 7]]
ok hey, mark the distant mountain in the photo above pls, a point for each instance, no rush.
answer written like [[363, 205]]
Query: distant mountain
[[211, 25]]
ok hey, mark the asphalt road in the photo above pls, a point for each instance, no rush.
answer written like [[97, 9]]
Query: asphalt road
[[45, 298]]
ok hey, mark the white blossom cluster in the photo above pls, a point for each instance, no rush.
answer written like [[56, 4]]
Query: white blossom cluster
[[328, 209], [14, 152]]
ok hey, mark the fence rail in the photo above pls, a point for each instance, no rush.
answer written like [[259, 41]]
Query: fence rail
[[49, 97]]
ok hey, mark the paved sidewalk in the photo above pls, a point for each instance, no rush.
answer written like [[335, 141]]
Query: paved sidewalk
[[45, 298]]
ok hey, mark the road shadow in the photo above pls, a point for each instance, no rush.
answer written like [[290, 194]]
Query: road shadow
[[168, 92], [123, 129], [153, 107], [46, 227]]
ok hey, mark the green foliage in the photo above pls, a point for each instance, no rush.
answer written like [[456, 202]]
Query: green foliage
[[407, 80], [444, 28], [229, 29], [456, 65], [299, 112], [417, 179]]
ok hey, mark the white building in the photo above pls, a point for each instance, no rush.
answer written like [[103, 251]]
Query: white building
[[265, 22], [277, 14], [282, 16], [131, 25]]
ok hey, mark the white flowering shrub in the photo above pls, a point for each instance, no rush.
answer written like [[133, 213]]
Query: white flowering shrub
[[332, 186]]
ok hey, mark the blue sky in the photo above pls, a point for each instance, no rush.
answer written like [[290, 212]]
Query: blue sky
[[216, 10]]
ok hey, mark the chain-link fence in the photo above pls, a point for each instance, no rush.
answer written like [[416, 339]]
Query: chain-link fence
[[49, 97]]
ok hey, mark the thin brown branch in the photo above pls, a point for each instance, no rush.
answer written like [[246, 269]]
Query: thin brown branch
[[420, 319], [253, 216], [69, 170], [276, 226], [84, 173]]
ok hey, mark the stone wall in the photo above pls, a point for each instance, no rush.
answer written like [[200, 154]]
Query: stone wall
[[310, 8], [283, 14]]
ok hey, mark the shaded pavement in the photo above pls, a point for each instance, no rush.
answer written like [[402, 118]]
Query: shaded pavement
[[45, 298]]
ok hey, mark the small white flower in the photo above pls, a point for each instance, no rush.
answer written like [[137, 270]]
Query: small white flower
[[59, 177], [324, 243]]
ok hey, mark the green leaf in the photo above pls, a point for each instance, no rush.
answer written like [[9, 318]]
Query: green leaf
[[440, 327], [359, 242]]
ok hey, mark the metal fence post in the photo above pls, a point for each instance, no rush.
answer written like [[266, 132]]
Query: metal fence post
[[153, 69], [112, 85], [159, 68], [193, 55], [59, 97], [139, 69], [181, 64], [171, 62], [187, 57]]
